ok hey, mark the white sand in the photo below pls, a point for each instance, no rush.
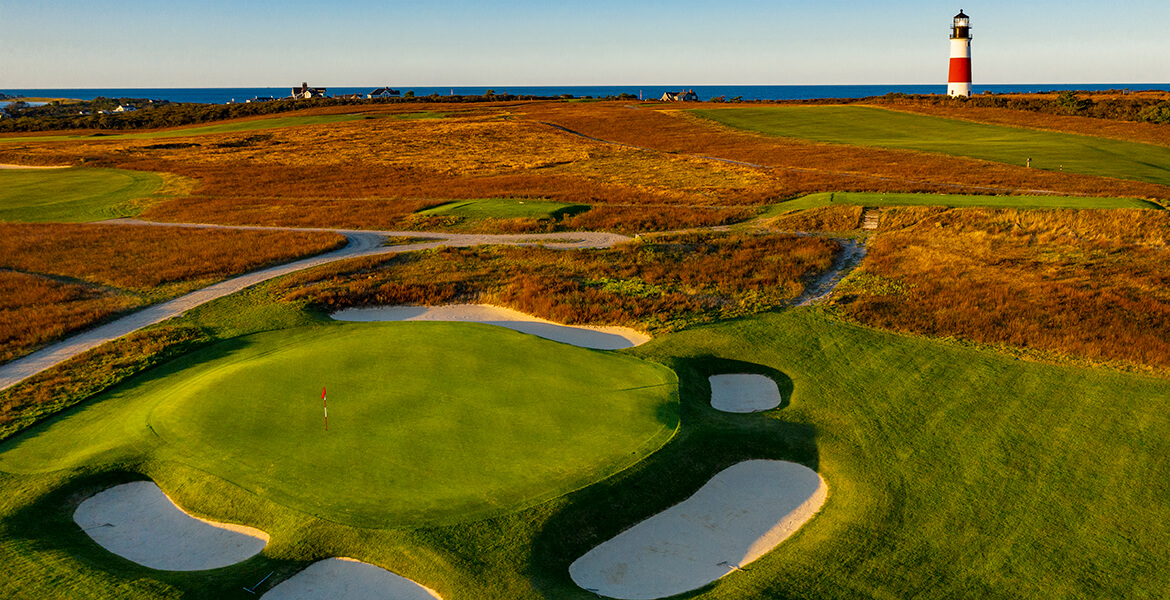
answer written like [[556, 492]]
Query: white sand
[[743, 393], [139, 522], [739, 515], [346, 579], [600, 338]]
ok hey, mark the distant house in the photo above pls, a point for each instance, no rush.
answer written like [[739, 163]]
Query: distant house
[[349, 97], [260, 99], [124, 108], [306, 92], [687, 96], [383, 92]]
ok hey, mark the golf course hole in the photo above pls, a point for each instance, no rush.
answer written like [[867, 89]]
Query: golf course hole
[[138, 522], [742, 513], [348, 579], [743, 393], [598, 338], [428, 423]]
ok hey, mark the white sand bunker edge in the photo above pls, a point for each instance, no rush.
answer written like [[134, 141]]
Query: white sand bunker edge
[[742, 513], [137, 521], [743, 393], [345, 579], [598, 338]]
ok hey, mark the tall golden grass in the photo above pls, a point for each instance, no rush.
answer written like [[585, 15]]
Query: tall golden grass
[[1089, 284], [35, 310], [109, 269], [658, 284], [374, 173], [142, 258]]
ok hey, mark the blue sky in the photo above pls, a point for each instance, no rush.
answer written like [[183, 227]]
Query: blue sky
[[259, 43]]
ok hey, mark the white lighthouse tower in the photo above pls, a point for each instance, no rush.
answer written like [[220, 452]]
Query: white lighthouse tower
[[959, 82]]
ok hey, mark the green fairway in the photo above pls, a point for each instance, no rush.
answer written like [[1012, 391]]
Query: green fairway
[[505, 208], [953, 201], [866, 126], [428, 422], [73, 194], [233, 127]]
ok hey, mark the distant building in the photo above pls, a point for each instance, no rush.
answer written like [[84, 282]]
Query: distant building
[[687, 96], [383, 92], [124, 108], [260, 99], [306, 92]]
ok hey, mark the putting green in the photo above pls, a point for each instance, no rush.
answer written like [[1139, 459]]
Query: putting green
[[505, 208], [428, 422], [868, 126], [73, 194]]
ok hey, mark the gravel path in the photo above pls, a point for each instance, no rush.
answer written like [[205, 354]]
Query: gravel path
[[361, 243]]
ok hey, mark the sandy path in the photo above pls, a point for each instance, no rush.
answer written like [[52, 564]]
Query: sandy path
[[137, 521], [361, 243], [598, 338], [348, 579], [743, 393], [739, 515]]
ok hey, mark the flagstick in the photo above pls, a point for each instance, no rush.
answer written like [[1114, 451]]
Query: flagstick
[[325, 403]]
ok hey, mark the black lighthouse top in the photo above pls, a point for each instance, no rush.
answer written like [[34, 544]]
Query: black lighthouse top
[[961, 29]]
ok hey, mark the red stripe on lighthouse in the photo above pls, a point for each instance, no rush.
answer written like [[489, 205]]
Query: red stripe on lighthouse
[[960, 70]]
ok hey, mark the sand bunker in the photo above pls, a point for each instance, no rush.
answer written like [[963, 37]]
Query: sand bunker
[[598, 338], [743, 393], [139, 522], [738, 516], [345, 579]]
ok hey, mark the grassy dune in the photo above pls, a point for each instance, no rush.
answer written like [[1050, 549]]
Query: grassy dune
[[866, 126], [74, 194]]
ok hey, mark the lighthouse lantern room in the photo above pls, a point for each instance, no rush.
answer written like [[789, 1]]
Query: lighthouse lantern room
[[959, 82]]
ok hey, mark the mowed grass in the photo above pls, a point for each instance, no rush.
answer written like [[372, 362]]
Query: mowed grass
[[74, 194], [505, 208], [867, 126], [953, 201], [233, 127], [428, 422], [953, 472]]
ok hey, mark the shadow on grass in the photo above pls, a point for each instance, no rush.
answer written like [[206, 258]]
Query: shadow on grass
[[708, 442]]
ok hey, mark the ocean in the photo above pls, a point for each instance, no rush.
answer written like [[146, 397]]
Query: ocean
[[648, 92]]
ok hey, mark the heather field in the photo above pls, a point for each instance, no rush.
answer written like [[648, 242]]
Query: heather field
[[984, 391]]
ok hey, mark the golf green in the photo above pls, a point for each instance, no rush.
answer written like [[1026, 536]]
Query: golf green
[[868, 126], [73, 194], [428, 422]]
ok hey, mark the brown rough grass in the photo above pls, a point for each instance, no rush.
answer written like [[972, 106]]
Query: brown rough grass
[[823, 218], [35, 310], [142, 258], [109, 269], [1089, 284], [658, 284]]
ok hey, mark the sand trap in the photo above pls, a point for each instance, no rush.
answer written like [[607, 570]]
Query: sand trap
[[742, 393], [738, 516], [599, 338], [139, 522], [345, 579]]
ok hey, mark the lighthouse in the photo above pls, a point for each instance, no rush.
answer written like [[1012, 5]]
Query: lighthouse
[[959, 83]]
